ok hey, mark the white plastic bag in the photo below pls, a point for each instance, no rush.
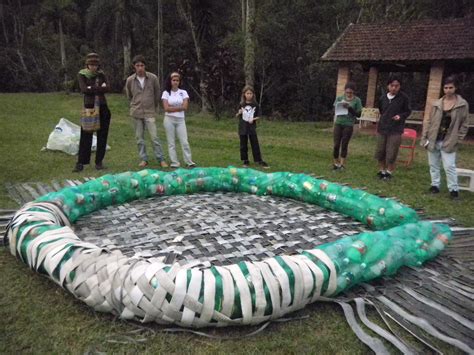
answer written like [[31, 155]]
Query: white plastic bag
[[65, 137]]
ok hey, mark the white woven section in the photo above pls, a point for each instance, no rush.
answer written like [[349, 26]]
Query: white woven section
[[156, 292]]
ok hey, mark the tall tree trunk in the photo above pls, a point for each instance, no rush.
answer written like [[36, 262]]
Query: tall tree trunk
[[244, 11], [63, 54], [127, 46], [4, 28], [249, 59], [159, 43], [185, 9], [127, 55], [18, 35], [124, 9]]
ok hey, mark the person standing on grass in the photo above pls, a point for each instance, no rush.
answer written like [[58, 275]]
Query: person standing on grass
[[143, 92], [175, 103], [93, 85], [249, 113], [394, 107], [344, 124], [446, 126]]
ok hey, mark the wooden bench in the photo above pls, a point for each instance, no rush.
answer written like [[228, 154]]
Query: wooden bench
[[470, 120], [369, 114], [416, 117]]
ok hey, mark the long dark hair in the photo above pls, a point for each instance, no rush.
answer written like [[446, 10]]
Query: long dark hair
[[244, 90], [167, 85]]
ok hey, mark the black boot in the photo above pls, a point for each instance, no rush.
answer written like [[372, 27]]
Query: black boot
[[78, 168], [100, 166]]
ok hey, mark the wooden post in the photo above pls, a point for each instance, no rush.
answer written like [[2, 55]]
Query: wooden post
[[343, 76], [372, 87], [434, 86]]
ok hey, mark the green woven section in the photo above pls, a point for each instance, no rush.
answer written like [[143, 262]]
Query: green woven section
[[376, 212]]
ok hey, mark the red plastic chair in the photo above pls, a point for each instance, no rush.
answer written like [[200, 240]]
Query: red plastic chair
[[409, 137]]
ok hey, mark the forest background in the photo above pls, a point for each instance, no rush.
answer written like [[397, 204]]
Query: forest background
[[218, 46]]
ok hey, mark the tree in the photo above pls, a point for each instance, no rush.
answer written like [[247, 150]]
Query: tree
[[55, 10], [196, 15], [159, 40], [249, 21], [116, 19]]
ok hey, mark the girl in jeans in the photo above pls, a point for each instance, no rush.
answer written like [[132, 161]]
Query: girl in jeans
[[344, 125], [175, 103], [445, 128]]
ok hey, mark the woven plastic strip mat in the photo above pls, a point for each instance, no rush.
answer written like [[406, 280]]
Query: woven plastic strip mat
[[217, 228], [229, 258]]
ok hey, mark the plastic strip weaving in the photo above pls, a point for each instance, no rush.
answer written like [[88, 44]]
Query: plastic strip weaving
[[248, 292]]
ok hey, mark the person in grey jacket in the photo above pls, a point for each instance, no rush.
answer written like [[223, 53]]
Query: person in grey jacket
[[442, 131], [143, 91]]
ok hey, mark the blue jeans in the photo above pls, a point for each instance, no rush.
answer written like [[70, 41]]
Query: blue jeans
[[449, 164]]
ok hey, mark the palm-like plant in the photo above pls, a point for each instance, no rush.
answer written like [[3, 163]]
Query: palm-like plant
[[56, 11], [112, 22]]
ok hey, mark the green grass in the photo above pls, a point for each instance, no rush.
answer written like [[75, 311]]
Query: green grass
[[37, 316]]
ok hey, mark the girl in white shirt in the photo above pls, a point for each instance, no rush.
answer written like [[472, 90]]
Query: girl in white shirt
[[175, 103]]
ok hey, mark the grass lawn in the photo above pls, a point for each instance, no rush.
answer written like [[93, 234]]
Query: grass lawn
[[37, 316]]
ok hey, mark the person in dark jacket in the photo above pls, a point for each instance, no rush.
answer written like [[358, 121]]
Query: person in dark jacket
[[93, 83], [394, 107]]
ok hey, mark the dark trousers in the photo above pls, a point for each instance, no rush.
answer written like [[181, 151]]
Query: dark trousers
[[85, 142], [342, 136], [387, 148], [255, 147]]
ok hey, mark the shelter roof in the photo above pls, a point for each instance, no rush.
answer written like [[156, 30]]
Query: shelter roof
[[422, 40]]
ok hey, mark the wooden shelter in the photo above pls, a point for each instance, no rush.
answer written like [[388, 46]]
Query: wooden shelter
[[422, 46]]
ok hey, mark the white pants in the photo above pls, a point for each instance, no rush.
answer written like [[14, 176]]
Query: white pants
[[176, 127], [449, 164]]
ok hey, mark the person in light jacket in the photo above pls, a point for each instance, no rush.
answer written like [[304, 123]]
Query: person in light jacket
[[442, 131], [143, 92]]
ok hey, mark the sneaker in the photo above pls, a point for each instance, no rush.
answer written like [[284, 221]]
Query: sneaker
[[191, 165], [434, 189], [387, 176], [246, 164], [164, 164], [454, 194], [143, 164], [335, 167], [100, 166], [78, 168], [380, 174], [175, 165], [263, 164]]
